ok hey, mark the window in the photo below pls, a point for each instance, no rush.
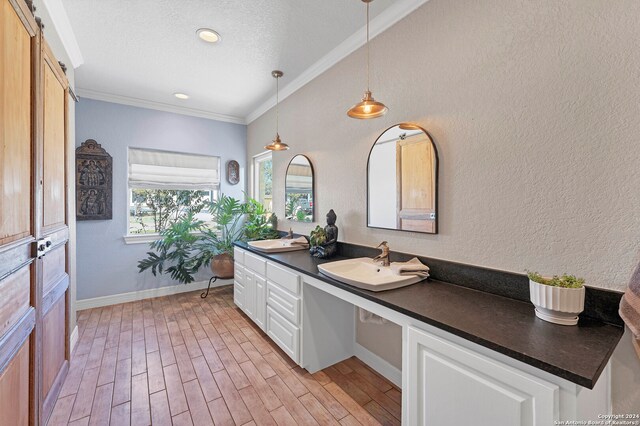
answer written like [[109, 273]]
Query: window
[[262, 180], [164, 186], [152, 210]]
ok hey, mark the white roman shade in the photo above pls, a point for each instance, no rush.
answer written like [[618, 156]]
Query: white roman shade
[[151, 169]]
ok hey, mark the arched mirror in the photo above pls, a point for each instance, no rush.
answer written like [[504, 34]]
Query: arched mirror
[[402, 181], [299, 190]]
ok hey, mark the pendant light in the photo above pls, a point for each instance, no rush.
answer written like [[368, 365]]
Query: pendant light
[[277, 144], [368, 107]]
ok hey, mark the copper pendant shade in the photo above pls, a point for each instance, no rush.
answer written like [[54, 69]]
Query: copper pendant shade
[[277, 144], [368, 107]]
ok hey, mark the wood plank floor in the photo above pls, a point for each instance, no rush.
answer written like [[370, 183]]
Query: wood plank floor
[[184, 360]]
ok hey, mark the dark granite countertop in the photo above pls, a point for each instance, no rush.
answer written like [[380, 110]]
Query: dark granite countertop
[[509, 326]]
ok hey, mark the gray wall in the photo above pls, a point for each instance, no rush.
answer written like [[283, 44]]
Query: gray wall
[[533, 106], [106, 265]]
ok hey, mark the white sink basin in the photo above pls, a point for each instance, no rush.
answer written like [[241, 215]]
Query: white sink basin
[[276, 246], [364, 273]]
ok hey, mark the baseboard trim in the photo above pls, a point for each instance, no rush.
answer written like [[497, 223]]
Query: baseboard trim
[[73, 339], [98, 302], [381, 366]]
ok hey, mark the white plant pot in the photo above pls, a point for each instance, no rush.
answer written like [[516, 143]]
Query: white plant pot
[[556, 304]]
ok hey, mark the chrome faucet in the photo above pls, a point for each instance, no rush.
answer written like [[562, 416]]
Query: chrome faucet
[[290, 234], [384, 256]]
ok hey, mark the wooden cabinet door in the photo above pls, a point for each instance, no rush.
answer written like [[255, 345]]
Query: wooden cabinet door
[[14, 389], [34, 336], [18, 33], [52, 219], [452, 385]]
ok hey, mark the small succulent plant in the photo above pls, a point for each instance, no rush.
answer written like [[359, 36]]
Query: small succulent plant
[[564, 281]]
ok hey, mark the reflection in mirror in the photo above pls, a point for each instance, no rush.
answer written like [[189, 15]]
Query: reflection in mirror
[[299, 190], [403, 181]]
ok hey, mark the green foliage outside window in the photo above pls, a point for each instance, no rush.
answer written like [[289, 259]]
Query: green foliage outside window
[[267, 175], [154, 210]]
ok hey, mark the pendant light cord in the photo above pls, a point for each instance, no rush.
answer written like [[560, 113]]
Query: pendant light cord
[[368, 49], [277, 105]]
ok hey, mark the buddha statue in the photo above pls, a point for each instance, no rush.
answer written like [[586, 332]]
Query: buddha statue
[[330, 246]]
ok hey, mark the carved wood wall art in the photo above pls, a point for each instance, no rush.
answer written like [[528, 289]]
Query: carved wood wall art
[[94, 182], [233, 172]]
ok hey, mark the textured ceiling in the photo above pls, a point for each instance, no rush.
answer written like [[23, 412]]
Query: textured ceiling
[[148, 49]]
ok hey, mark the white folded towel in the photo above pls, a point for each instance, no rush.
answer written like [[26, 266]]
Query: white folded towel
[[302, 241], [412, 267]]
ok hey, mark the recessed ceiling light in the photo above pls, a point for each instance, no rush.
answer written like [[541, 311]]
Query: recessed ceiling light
[[208, 35], [181, 96]]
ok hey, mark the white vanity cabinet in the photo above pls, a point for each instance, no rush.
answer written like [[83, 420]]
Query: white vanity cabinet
[[284, 303], [249, 293], [442, 374], [260, 316], [271, 296], [238, 278], [446, 379], [238, 286], [249, 285]]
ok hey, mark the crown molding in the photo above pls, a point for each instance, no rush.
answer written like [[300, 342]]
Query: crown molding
[[63, 27], [379, 24], [126, 100]]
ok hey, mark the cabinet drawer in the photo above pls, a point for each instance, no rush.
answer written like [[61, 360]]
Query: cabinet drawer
[[283, 278], [238, 273], [238, 255], [283, 302], [283, 333], [257, 264], [238, 294]]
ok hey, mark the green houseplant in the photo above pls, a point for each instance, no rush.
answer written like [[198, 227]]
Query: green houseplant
[[558, 299], [259, 224], [317, 237], [188, 244]]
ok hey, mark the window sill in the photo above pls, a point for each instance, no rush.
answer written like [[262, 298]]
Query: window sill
[[141, 238]]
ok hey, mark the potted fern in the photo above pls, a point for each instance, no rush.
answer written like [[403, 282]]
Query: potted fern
[[188, 244], [559, 299]]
